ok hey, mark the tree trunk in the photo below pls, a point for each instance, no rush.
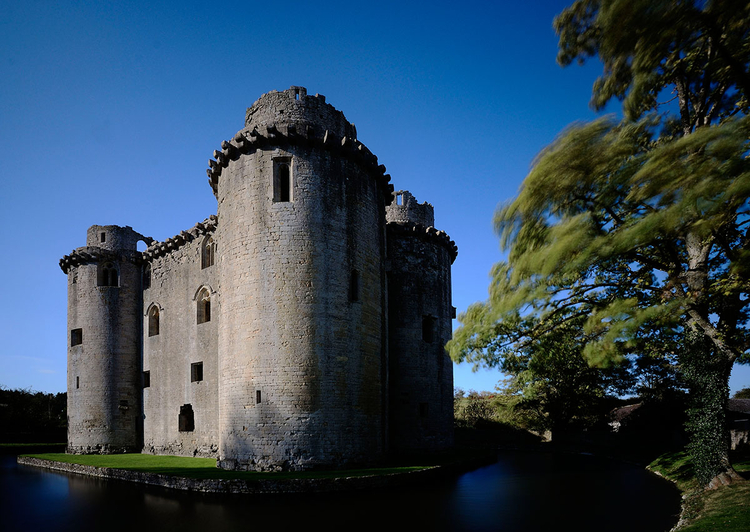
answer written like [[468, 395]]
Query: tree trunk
[[707, 372]]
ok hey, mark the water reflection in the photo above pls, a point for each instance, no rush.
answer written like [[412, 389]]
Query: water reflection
[[521, 492]]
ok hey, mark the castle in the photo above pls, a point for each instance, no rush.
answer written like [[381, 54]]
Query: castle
[[301, 326]]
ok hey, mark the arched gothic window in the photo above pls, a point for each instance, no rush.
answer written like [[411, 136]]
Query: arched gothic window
[[204, 306], [153, 321], [107, 275], [208, 252]]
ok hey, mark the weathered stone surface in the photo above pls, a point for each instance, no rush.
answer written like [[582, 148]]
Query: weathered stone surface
[[315, 353]]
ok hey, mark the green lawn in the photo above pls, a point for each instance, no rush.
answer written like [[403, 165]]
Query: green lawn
[[205, 468], [726, 509]]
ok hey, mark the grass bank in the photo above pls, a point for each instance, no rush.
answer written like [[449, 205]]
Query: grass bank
[[727, 508], [205, 468]]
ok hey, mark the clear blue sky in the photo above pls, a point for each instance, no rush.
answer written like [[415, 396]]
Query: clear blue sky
[[109, 112]]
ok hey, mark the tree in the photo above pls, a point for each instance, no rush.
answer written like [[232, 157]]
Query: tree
[[558, 387], [643, 224], [29, 416]]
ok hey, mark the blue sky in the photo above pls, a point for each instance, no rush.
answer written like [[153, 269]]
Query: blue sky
[[110, 111]]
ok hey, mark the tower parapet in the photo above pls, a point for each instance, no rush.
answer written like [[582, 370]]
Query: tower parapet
[[293, 119], [114, 238], [294, 107], [406, 209]]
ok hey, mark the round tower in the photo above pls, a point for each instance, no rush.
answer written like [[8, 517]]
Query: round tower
[[302, 354], [104, 333], [419, 324]]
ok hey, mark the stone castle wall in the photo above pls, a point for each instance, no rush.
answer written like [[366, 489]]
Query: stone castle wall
[[319, 285], [176, 281]]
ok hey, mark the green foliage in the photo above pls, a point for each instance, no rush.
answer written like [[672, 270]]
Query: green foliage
[[707, 376], [474, 412], [26, 415], [638, 228], [558, 389], [483, 409], [696, 49], [744, 393]]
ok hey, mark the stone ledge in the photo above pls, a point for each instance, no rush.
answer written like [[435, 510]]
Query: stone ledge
[[240, 485]]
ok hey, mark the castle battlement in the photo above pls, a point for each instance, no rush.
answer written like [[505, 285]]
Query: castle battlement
[[94, 254], [294, 107], [305, 330], [428, 234], [279, 119], [159, 249]]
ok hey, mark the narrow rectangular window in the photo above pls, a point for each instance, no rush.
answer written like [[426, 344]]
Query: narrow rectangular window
[[76, 337], [104, 237], [78, 382], [282, 179], [354, 286], [196, 372], [257, 396], [428, 329], [186, 419], [146, 379]]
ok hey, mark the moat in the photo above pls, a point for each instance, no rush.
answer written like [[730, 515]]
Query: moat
[[520, 492]]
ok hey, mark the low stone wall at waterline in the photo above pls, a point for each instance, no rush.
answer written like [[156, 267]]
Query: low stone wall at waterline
[[241, 485]]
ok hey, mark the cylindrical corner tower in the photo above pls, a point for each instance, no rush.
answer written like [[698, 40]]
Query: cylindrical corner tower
[[302, 353], [104, 326], [419, 324]]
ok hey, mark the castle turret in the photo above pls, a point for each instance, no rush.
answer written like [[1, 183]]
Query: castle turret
[[419, 325], [302, 349], [104, 335]]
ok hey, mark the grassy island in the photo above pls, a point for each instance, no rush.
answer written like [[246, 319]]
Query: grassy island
[[205, 468]]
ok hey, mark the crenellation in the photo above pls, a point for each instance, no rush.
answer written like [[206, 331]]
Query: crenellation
[[425, 233], [257, 351], [285, 133]]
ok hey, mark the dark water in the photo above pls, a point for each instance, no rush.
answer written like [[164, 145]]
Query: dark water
[[521, 492]]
